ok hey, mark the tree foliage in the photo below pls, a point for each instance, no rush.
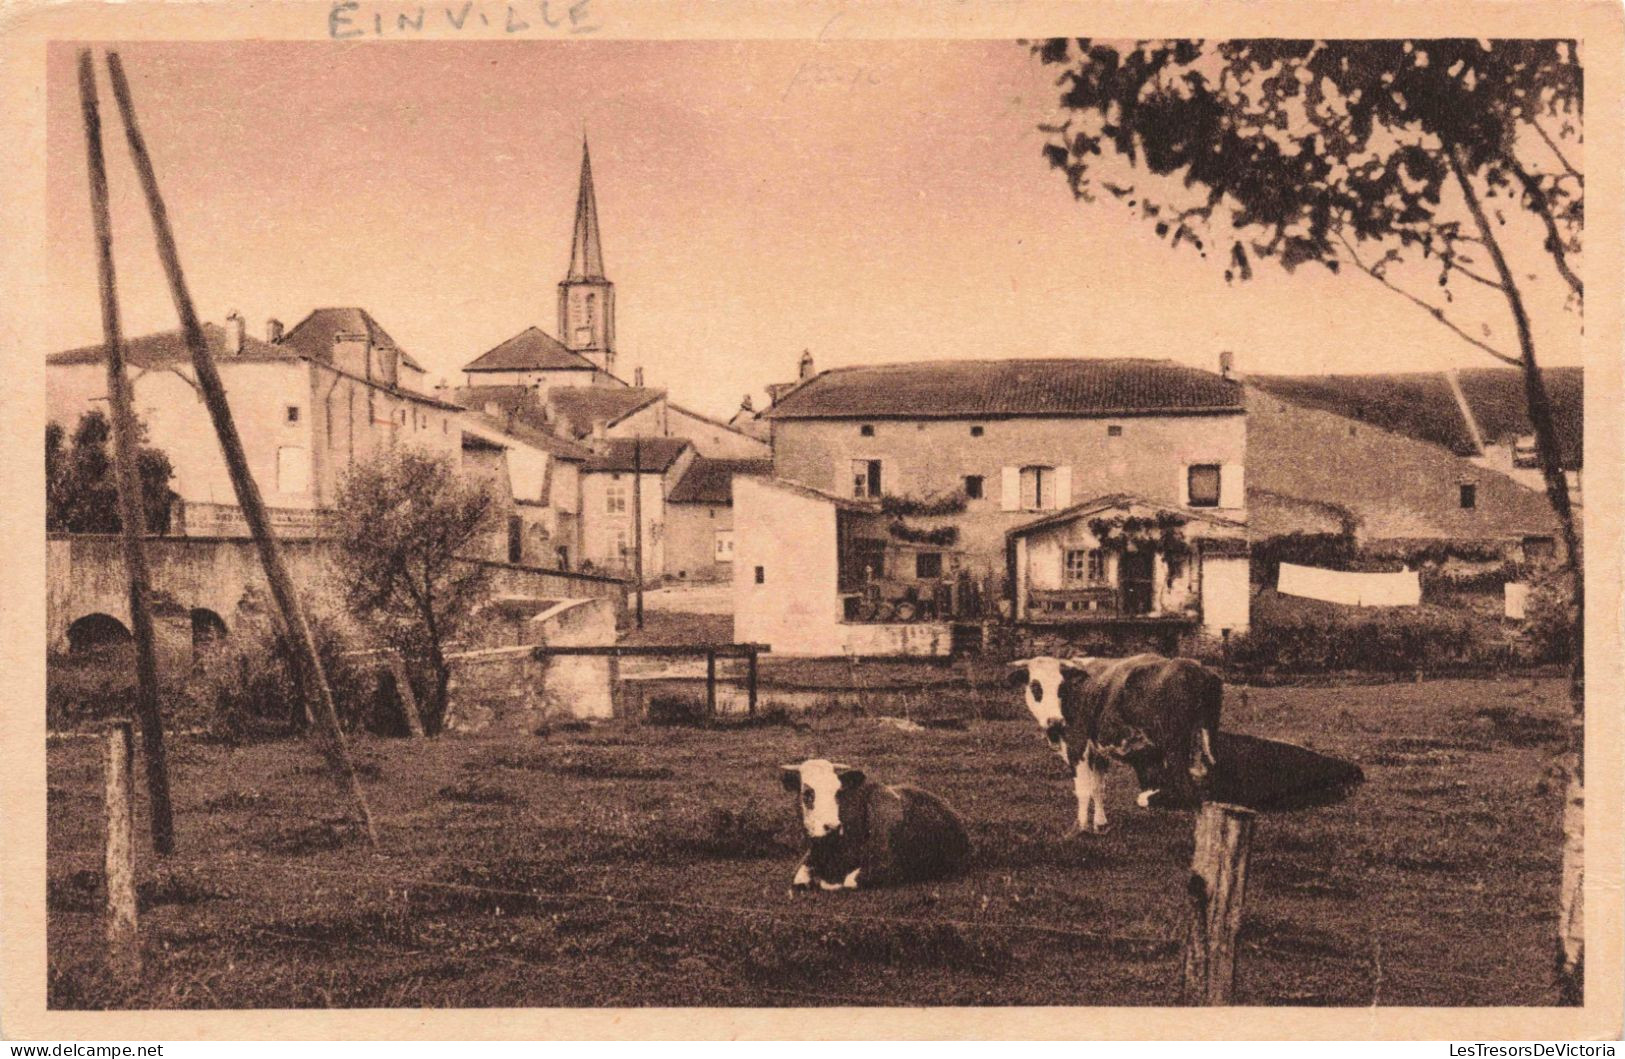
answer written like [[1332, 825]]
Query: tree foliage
[[404, 521], [1306, 149], [81, 483]]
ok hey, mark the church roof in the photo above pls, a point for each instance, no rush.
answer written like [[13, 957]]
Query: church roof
[[530, 350], [654, 455], [581, 406], [586, 253], [169, 347], [710, 481], [960, 389], [313, 336]]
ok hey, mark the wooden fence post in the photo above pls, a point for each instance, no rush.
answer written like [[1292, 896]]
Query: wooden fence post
[[750, 681], [123, 932], [1217, 891], [710, 683]]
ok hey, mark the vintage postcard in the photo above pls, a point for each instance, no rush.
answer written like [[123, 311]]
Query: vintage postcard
[[537, 518]]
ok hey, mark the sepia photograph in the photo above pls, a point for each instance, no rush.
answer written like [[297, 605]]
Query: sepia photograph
[[535, 518]]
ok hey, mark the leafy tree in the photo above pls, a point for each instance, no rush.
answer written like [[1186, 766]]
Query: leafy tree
[[1397, 158], [404, 521], [81, 485]]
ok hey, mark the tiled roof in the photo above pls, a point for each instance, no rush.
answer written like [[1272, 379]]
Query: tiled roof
[[653, 454], [169, 347], [519, 403], [563, 448], [581, 406], [958, 389], [1420, 404], [313, 336], [530, 350], [709, 481]]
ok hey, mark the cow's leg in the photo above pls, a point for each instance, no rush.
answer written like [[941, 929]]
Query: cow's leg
[[803, 878], [1098, 763], [1089, 780], [851, 880]]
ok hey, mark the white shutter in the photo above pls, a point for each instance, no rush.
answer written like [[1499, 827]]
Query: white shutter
[[1010, 498], [1232, 491], [1182, 486], [1063, 487]]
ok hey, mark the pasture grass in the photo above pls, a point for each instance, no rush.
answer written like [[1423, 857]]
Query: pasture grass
[[648, 865]]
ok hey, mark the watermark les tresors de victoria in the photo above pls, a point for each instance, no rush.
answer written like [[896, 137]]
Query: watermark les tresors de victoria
[[1480, 1050]]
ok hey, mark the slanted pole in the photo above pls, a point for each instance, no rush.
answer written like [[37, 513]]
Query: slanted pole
[[132, 516], [118, 864], [1217, 891], [312, 681]]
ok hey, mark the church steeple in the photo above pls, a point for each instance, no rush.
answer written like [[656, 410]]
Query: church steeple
[[586, 298]]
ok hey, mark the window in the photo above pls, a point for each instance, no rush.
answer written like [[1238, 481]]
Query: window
[[293, 413], [1114, 430], [621, 548], [928, 565], [973, 487], [516, 538], [615, 497], [1085, 565], [866, 478], [1539, 548], [1037, 488], [867, 430], [725, 546], [975, 432], [1469, 495], [1203, 479], [761, 576]]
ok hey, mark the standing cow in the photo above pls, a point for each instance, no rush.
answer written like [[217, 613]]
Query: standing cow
[[1158, 715], [862, 833]]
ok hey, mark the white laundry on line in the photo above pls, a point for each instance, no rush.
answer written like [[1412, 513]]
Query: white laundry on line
[[1401, 589]]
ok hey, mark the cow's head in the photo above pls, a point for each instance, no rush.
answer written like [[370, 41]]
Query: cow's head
[[1041, 680], [819, 784]]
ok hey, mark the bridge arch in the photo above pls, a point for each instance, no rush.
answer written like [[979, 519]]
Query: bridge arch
[[96, 631], [207, 627]]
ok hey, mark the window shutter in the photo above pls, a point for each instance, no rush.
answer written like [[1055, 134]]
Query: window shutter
[[1182, 486], [1063, 487], [1010, 497], [1232, 491]]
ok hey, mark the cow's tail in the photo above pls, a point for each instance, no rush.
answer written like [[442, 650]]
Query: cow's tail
[[1202, 756]]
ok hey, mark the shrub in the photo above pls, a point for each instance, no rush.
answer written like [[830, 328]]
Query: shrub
[[1334, 551], [1549, 622], [1307, 635], [676, 710], [245, 685]]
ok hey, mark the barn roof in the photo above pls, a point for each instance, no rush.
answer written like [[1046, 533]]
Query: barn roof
[[654, 455], [1421, 406], [710, 481], [530, 350], [960, 389], [313, 336], [581, 406]]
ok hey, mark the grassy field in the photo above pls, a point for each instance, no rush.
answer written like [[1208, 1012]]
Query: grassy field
[[650, 866]]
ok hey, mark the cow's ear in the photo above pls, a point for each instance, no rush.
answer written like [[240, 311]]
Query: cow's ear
[[790, 776], [850, 777], [1018, 673]]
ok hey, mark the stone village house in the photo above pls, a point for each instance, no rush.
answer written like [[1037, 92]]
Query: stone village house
[[905, 496]]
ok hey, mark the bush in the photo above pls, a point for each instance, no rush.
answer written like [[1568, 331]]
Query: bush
[[1307, 636], [1334, 551], [676, 710], [1549, 622], [245, 686]]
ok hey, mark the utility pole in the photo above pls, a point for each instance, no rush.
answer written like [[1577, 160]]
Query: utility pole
[[132, 516], [312, 681], [637, 521]]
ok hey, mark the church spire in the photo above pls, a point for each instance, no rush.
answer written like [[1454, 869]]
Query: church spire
[[586, 254]]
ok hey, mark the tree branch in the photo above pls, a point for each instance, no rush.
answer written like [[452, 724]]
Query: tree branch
[[1551, 143], [1543, 209], [1432, 310]]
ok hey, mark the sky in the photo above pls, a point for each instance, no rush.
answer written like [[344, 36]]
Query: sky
[[868, 201]]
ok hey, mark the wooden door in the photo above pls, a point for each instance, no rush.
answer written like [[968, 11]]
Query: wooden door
[[1134, 580]]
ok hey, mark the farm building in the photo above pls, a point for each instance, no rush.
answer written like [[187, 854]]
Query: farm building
[[1121, 564], [976, 448], [699, 518], [652, 466]]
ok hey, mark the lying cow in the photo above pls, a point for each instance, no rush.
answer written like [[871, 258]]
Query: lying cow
[[863, 833], [1156, 714]]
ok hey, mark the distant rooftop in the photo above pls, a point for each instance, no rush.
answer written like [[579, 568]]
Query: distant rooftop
[[530, 350], [169, 347], [313, 336], [654, 455], [961, 389], [710, 481], [581, 406]]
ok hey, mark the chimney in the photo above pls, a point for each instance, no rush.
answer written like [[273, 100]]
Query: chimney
[[806, 365], [1227, 365], [745, 404], [273, 330], [234, 333], [442, 390], [637, 377]]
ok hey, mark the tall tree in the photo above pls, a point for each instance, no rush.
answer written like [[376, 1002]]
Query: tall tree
[[1386, 156], [81, 493], [408, 524]]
